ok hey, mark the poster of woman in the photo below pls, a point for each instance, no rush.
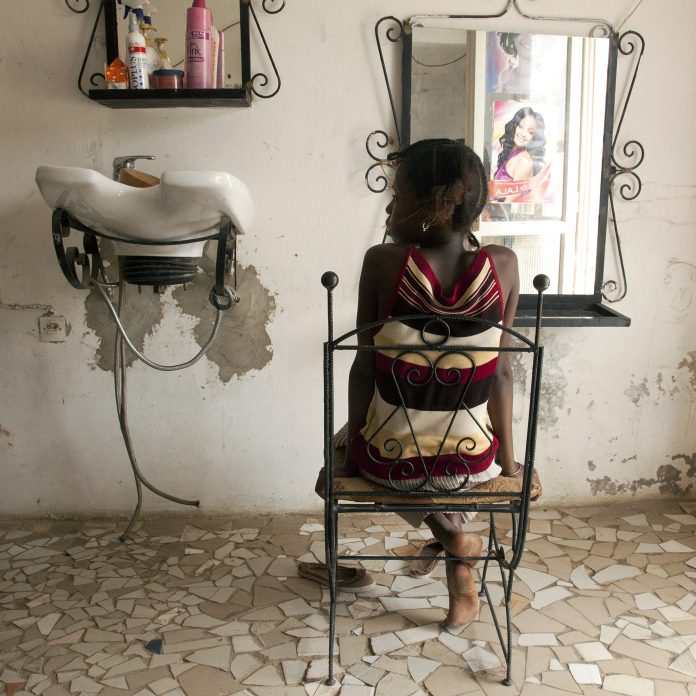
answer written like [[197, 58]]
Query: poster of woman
[[526, 153], [526, 64]]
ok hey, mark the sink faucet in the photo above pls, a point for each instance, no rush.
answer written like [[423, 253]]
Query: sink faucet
[[126, 163]]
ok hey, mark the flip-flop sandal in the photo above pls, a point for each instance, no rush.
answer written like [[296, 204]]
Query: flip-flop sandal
[[349, 578], [422, 567]]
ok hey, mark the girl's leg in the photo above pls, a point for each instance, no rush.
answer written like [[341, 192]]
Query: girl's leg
[[463, 596], [448, 530]]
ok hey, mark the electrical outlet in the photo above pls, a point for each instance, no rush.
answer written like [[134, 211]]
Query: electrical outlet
[[52, 328]]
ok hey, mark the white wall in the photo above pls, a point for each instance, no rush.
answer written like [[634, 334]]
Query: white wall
[[620, 399]]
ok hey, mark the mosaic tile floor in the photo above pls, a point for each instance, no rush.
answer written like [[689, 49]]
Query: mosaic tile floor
[[605, 603]]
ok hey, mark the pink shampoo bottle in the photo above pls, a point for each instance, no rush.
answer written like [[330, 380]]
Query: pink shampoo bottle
[[199, 21]]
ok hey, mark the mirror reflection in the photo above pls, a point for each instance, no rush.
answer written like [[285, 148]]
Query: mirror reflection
[[533, 107], [169, 23]]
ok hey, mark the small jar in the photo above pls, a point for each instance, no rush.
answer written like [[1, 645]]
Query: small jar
[[167, 79]]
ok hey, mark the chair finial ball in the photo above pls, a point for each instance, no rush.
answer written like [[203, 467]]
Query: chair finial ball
[[541, 282], [329, 280]]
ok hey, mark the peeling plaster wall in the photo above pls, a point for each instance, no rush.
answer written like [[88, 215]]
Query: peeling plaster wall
[[242, 430]]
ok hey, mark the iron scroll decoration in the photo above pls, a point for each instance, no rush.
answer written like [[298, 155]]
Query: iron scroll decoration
[[380, 138], [82, 269], [634, 154], [271, 7], [80, 7], [263, 79], [631, 153]]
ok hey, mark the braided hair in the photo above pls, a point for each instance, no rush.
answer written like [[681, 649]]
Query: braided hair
[[446, 171]]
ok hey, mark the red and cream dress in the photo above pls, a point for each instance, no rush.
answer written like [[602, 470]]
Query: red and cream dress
[[407, 397]]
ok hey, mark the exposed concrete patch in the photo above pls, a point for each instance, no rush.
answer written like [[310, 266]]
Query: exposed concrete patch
[[689, 363], [242, 343], [4, 432], [637, 391], [142, 312], [668, 480], [671, 391], [518, 364], [689, 460], [554, 383], [15, 306]]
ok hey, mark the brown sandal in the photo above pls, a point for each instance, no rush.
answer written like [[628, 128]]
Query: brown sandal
[[422, 567], [349, 578]]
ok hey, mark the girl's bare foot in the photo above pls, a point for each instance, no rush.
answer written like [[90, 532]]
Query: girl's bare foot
[[463, 597]]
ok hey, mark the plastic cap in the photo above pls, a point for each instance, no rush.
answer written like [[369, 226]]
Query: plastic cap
[[198, 3]]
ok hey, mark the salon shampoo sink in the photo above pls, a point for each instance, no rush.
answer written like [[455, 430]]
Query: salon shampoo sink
[[184, 205]]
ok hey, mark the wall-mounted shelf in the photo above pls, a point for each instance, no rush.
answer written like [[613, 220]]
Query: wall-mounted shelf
[[256, 85], [593, 314], [161, 98]]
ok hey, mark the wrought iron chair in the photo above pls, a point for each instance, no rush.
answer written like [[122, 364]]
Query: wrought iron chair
[[502, 495]]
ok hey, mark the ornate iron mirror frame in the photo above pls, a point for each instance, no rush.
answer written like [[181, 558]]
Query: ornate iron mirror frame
[[560, 310], [252, 84]]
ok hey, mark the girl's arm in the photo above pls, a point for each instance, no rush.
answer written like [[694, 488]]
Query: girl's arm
[[380, 272], [500, 399], [361, 382]]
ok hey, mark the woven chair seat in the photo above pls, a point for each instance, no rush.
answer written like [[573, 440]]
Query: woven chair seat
[[357, 489]]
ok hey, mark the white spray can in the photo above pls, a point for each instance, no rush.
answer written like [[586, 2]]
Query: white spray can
[[136, 53]]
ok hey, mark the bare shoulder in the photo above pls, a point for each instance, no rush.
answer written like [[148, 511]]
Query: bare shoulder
[[503, 257], [384, 257], [385, 252]]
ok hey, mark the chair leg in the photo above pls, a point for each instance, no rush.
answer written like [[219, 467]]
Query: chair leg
[[484, 570], [508, 625], [331, 548], [506, 645]]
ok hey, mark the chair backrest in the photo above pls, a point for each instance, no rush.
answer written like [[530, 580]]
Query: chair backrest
[[446, 363]]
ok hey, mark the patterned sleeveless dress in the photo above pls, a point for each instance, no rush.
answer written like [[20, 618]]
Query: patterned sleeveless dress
[[455, 446]]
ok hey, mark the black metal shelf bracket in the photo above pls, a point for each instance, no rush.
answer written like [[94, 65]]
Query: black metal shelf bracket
[[268, 6], [80, 7], [632, 153], [74, 6]]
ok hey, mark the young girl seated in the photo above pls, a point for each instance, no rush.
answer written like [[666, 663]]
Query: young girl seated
[[435, 265]]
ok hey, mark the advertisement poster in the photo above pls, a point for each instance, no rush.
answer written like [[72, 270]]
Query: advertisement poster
[[525, 123], [525, 152]]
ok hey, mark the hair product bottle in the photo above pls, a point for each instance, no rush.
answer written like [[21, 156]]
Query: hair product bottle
[[136, 51], [198, 46], [220, 71], [165, 62], [153, 61], [214, 38]]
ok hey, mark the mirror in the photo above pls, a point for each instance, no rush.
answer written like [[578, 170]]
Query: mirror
[[169, 21], [534, 107]]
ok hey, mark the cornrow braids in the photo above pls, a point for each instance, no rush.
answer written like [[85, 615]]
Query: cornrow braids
[[440, 164]]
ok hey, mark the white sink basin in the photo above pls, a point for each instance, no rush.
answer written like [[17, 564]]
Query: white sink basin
[[184, 205]]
